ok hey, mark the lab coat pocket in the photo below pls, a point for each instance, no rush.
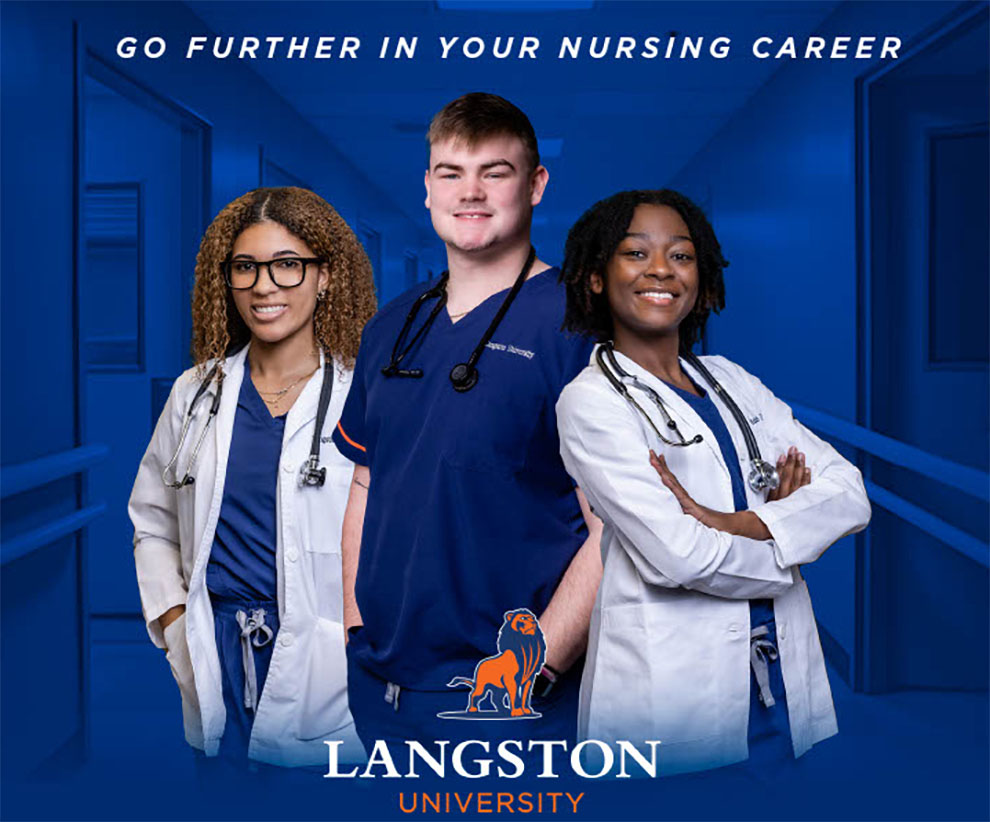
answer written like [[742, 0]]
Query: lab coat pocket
[[324, 700], [177, 654], [323, 522]]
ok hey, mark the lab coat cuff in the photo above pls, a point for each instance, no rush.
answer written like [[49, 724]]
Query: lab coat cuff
[[771, 517], [154, 627], [160, 583]]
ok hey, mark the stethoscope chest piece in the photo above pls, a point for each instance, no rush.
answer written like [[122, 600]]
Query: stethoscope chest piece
[[463, 377], [312, 473], [763, 476]]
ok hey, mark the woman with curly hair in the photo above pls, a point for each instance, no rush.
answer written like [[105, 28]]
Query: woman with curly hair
[[237, 529], [702, 636]]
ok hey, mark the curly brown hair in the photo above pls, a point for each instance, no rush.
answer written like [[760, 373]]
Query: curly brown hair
[[349, 303]]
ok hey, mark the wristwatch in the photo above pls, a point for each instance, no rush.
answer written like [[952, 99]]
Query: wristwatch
[[545, 680]]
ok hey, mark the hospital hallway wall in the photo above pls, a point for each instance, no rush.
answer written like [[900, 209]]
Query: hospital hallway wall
[[822, 228], [100, 241], [859, 209]]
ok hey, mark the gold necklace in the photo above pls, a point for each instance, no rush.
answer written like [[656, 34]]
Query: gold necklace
[[281, 392]]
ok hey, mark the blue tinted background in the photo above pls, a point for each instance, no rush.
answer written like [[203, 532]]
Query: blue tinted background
[[849, 195]]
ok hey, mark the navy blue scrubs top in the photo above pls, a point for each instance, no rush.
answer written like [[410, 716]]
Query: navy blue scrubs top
[[761, 610], [470, 512], [242, 561]]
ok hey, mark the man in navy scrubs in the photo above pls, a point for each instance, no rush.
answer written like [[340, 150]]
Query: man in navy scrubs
[[460, 508]]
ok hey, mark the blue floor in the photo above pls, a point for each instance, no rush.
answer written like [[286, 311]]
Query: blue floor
[[912, 755]]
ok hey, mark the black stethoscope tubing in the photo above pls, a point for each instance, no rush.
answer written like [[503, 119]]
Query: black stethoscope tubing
[[763, 475], [464, 375], [440, 292], [751, 445], [605, 350], [311, 473]]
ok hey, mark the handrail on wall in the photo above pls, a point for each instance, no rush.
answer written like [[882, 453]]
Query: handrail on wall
[[971, 481], [962, 542], [23, 476], [46, 534]]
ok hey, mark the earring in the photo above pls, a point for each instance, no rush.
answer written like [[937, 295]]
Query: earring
[[321, 294]]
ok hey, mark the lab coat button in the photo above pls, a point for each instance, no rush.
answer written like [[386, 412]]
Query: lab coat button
[[734, 628], [292, 554], [782, 630], [287, 468], [286, 639]]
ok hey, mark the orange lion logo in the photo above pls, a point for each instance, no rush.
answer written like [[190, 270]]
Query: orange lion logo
[[507, 678]]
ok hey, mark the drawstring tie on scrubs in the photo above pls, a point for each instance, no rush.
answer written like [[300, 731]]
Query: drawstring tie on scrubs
[[254, 632], [392, 695], [761, 652]]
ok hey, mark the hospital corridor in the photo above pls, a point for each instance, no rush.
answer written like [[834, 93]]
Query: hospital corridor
[[850, 198]]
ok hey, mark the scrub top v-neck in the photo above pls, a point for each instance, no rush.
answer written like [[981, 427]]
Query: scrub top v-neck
[[242, 561], [470, 511]]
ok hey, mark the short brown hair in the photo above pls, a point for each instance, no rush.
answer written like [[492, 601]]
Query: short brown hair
[[477, 116]]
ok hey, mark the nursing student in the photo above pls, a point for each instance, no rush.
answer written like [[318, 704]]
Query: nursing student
[[461, 511], [239, 500], [712, 494]]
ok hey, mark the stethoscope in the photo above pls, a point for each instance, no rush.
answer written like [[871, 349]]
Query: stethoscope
[[463, 376], [762, 476], [311, 473]]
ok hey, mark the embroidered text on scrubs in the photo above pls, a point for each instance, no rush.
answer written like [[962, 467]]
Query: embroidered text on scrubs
[[511, 349]]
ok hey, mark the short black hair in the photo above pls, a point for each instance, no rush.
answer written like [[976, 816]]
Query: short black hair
[[596, 235], [478, 116]]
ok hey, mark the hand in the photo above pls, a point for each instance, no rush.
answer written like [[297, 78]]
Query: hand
[[706, 516], [740, 523], [793, 474], [171, 615]]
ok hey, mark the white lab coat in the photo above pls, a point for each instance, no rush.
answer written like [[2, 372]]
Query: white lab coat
[[668, 652], [304, 700]]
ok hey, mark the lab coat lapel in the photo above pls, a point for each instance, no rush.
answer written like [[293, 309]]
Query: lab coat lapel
[[684, 415], [223, 428]]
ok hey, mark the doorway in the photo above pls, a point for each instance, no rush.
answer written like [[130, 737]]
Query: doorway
[[924, 373]]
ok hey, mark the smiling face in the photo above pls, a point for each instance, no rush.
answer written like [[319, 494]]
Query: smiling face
[[651, 279], [271, 313], [481, 197]]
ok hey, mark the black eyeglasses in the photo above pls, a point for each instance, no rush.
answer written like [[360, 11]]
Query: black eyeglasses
[[286, 272]]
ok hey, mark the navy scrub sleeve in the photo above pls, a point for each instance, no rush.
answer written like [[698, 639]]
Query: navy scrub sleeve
[[350, 435]]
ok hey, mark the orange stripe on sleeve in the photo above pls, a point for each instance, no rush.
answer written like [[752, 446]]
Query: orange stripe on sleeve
[[343, 433]]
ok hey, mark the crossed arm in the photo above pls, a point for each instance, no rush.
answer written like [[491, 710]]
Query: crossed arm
[[673, 541], [793, 475]]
